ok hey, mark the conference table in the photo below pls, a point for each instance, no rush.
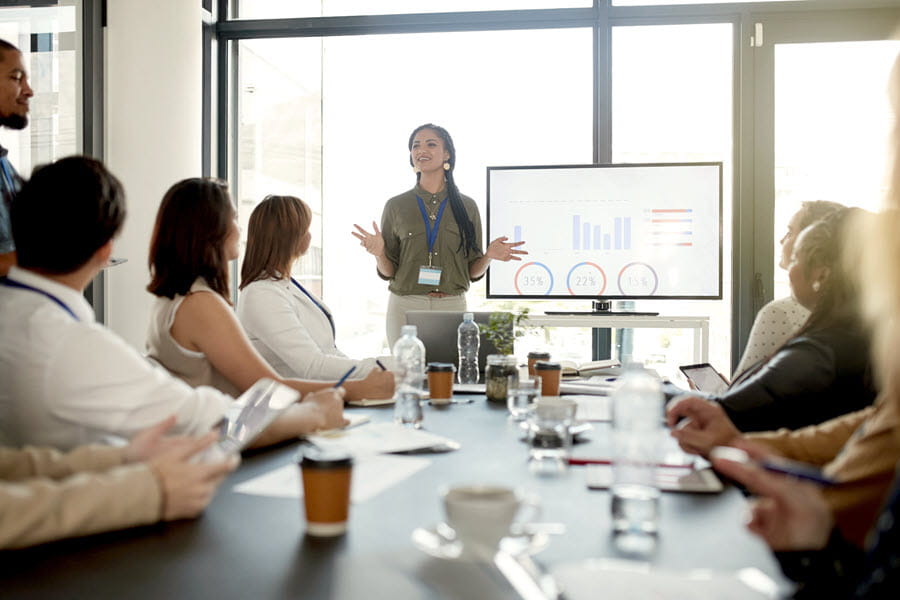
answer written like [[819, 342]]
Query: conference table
[[247, 546]]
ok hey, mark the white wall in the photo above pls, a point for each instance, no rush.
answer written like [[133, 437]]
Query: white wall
[[153, 133]]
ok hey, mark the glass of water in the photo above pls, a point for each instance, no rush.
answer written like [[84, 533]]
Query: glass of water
[[521, 396], [549, 435]]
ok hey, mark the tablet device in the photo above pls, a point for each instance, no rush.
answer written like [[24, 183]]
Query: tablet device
[[254, 411], [705, 378]]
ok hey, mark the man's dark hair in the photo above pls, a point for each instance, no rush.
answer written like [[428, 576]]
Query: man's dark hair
[[4, 45], [65, 213]]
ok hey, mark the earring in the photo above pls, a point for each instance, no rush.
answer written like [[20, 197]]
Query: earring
[[446, 166], [816, 286]]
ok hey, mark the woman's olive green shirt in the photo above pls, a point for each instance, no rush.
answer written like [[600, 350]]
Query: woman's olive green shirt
[[406, 246]]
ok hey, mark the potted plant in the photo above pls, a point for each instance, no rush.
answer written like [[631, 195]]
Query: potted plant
[[502, 330]]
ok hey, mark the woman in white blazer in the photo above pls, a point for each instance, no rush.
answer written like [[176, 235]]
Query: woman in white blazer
[[287, 324]]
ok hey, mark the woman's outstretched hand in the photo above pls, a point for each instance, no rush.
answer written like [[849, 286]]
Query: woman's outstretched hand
[[372, 242], [502, 250]]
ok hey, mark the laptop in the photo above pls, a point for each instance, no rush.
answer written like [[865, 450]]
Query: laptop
[[437, 330]]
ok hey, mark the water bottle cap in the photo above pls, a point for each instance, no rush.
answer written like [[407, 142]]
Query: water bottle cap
[[409, 330], [468, 316]]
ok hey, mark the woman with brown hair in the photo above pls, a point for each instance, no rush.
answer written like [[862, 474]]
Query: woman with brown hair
[[289, 326], [193, 330]]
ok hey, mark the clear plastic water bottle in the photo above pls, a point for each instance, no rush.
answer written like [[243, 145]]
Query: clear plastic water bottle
[[637, 434], [409, 377], [468, 342]]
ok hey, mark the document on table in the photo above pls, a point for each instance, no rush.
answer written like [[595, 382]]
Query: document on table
[[593, 408], [594, 386], [632, 579], [381, 438], [371, 475]]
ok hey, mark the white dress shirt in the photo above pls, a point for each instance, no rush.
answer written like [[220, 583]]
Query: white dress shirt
[[292, 333], [67, 382]]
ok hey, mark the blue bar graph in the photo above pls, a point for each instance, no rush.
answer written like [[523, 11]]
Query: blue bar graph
[[619, 237], [576, 232], [517, 233]]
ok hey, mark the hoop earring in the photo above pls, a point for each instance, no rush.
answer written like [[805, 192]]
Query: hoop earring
[[446, 166], [816, 286]]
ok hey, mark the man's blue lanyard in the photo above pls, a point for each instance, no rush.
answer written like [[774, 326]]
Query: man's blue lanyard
[[16, 284], [431, 231], [8, 180], [317, 303]]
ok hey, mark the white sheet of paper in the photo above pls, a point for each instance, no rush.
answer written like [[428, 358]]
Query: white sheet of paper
[[593, 408], [371, 475], [377, 438], [622, 581]]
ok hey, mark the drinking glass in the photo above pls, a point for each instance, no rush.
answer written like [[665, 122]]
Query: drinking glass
[[521, 395], [549, 435]]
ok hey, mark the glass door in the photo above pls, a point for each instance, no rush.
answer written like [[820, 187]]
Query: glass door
[[822, 121]]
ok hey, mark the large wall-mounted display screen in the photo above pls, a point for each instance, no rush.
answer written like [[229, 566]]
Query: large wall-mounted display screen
[[629, 231]]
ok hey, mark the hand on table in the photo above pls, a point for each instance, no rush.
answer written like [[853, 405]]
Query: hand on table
[[704, 425], [377, 384], [504, 251], [789, 514], [188, 487], [372, 242], [152, 442], [327, 408]]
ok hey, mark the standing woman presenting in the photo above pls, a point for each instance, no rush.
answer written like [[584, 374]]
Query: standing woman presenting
[[429, 244]]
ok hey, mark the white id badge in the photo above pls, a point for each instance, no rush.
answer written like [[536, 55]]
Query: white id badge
[[429, 275]]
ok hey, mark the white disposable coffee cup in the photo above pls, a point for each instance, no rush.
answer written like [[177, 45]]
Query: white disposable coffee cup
[[481, 515]]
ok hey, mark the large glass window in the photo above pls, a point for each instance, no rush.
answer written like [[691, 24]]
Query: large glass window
[[329, 119], [832, 121], [48, 40], [277, 9], [672, 102]]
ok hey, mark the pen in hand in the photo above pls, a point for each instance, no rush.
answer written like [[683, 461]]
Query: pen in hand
[[380, 365], [344, 377]]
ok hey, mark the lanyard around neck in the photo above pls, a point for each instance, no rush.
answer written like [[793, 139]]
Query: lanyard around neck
[[7, 175], [431, 231], [16, 284], [317, 303]]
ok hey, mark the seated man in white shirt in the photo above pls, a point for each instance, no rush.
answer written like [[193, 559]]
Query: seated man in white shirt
[[67, 380]]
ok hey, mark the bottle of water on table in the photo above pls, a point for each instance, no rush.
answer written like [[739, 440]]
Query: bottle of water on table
[[468, 342], [409, 377], [637, 432]]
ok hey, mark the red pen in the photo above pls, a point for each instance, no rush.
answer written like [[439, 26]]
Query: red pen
[[606, 461]]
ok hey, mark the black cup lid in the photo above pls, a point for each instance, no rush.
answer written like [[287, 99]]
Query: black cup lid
[[313, 457], [539, 355], [543, 365], [440, 367]]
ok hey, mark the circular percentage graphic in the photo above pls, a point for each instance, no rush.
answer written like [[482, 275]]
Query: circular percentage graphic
[[586, 279], [533, 278], [638, 279]]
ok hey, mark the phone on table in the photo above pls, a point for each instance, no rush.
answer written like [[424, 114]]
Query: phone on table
[[775, 464]]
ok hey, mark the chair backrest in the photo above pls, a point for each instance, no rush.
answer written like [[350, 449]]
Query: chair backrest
[[437, 330]]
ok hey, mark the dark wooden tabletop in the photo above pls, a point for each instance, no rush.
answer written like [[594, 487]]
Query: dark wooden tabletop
[[255, 547]]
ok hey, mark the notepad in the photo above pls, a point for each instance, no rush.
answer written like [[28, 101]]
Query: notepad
[[668, 478], [370, 402]]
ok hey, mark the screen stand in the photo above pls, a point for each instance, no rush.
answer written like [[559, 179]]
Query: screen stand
[[602, 308]]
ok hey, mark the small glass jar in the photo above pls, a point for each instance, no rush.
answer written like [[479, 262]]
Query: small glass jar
[[499, 367]]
